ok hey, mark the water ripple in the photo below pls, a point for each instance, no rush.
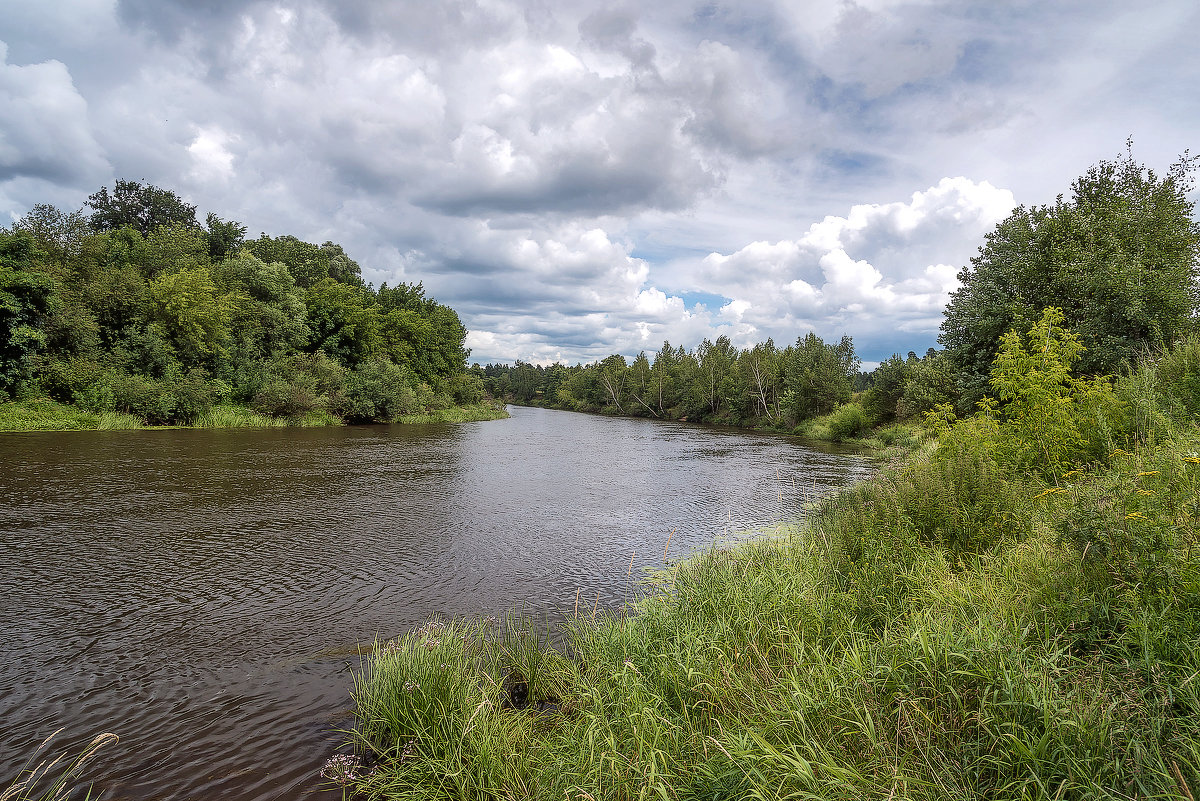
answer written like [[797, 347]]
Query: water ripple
[[189, 589]]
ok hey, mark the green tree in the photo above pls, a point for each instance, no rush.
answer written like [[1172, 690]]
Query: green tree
[[378, 391], [1043, 418], [611, 374], [720, 380], [194, 313], [762, 375], [224, 237], [342, 321], [1120, 258], [931, 381], [142, 207], [24, 300], [818, 376], [308, 264], [269, 314], [174, 248], [888, 382], [641, 385], [58, 234]]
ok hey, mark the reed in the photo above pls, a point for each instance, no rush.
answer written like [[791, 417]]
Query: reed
[[45, 779]]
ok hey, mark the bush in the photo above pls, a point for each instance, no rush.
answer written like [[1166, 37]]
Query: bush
[[65, 379], [1178, 379], [174, 400], [294, 386], [467, 389], [378, 392], [280, 397], [848, 421]]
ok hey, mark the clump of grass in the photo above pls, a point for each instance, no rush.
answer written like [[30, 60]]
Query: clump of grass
[[116, 421], [458, 414], [230, 416], [44, 414], [316, 418], [43, 779]]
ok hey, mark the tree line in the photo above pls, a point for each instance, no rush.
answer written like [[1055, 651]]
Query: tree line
[[1118, 258], [132, 305]]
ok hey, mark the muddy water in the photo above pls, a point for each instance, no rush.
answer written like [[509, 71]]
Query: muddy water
[[202, 593]]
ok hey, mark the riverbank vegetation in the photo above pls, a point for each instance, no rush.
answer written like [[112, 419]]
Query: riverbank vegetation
[[1009, 612], [136, 312]]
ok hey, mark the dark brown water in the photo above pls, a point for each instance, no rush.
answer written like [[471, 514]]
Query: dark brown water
[[201, 593]]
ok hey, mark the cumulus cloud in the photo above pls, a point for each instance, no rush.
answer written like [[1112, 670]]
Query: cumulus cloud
[[878, 270], [44, 128], [581, 178]]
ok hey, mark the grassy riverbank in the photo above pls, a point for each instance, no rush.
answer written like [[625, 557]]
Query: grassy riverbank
[[44, 414], [1011, 613]]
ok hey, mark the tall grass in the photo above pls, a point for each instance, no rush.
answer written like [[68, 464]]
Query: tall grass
[[43, 414], [955, 628], [229, 416], [44, 779], [459, 414]]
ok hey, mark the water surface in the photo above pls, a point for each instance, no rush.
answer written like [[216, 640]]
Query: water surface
[[201, 592]]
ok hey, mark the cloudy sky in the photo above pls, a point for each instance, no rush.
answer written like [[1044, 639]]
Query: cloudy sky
[[579, 178]]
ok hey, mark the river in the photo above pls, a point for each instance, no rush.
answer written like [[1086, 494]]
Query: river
[[203, 593]]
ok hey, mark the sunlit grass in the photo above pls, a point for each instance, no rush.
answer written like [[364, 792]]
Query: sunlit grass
[[113, 421], [229, 416], [43, 414]]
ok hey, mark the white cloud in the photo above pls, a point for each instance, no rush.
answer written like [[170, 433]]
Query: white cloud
[[865, 272], [211, 157]]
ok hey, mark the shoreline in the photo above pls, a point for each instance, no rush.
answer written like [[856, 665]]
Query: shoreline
[[43, 415]]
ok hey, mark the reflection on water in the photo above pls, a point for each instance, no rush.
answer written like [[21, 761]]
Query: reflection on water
[[202, 593]]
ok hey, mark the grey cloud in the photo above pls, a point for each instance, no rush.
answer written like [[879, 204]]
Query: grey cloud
[[44, 127], [614, 29]]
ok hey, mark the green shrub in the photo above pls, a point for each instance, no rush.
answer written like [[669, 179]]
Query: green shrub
[[847, 421], [279, 397], [378, 391], [1177, 373]]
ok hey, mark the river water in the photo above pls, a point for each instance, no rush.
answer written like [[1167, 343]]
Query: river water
[[203, 593]]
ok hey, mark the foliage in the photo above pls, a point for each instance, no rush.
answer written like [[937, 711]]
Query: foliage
[[847, 421], [139, 312], [194, 313], [1120, 258], [141, 207], [888, 382], [378, 391], [224, 237], [24, 300], [818, 376], [931, 382], [716, 383], [1050, 421]]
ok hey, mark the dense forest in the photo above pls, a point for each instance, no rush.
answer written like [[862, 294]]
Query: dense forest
[[138, 309], [1118, 259], [763, 387]]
